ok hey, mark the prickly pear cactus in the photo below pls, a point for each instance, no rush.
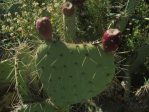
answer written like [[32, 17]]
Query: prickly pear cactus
[[66, 72], [71, 73], [6, 71], [7, 82]]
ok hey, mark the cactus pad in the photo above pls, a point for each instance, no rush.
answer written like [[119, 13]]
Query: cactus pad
[[71, 73], [6, 71]]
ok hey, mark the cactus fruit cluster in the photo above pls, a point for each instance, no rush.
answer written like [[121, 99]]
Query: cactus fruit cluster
[[63, 72]]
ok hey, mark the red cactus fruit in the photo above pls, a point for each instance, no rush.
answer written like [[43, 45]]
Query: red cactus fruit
[[67, 9], [111, 40], [44, 27], [78, 2]]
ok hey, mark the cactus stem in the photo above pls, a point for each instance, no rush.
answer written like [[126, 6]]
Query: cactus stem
[[70, 27]]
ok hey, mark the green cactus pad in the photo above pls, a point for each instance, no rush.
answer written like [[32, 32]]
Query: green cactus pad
[[71, 73], [6, 71], [7, 80]]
